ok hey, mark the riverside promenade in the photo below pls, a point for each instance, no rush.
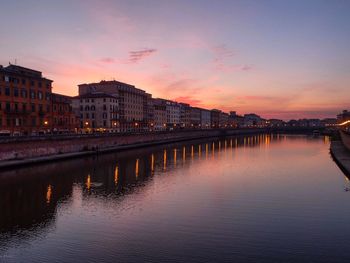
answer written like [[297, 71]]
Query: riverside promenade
[[340, 151], [19, 151]]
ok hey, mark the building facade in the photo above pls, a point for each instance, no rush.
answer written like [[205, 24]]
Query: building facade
[[185, 116], [160, 115], [133, 103], [24, 101], [215, 118], [98, 112], [195, 115], [63, 119], [205, 119]]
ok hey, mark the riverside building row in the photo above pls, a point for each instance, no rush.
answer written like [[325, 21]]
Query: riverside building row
[[29, 107]]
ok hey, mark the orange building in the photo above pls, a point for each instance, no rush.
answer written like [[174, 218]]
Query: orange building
[[24, 101], [63, 119]]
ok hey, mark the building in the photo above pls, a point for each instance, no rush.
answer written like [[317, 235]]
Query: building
[[253, 120], [275, 123], [24, 101], [149, 119], [98, 112], [195, 117], [133, 103], [344, 116], [160, 115], [215, 118], [329, 122], [63, 119], [185, 115], [235, 120], [172, 113], [223, 120], [205, 119]]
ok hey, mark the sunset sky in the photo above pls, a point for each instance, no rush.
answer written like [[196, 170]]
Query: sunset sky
[[284, 59]]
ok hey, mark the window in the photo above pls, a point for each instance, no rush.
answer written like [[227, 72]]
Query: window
[[24, 93], [32, 83], [81, 108], [55, 108], [23, 82], [104, 107], [7, 91], [87, 115], [33, 121], [16, 107], [93, 115], [39, 84], [104, 123], [7, 79], [40, 95], [24, 107], [15, 92], [40, 108], [47, 95], [33, 107], [32, 94], [8, 106], [87, 108]]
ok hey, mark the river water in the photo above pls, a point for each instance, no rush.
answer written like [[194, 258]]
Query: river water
[[262, 198]]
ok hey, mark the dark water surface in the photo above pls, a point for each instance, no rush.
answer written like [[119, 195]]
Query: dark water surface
[[250, 199]]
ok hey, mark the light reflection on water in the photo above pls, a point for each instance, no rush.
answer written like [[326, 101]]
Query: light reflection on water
[[257, 198]]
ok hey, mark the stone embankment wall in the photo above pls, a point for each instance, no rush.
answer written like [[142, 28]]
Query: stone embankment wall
[[345, 137], [20, 148]]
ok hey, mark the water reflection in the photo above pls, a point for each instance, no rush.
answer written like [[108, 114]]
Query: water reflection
[[29, 197]]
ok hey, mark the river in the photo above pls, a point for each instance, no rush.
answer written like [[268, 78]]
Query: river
[[261, 198]]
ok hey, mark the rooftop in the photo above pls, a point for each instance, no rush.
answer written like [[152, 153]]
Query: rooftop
[[95, 95]]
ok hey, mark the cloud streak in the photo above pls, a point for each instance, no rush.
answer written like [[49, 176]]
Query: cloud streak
[[138, 55]]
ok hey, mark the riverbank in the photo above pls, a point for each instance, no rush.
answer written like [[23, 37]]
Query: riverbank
[[341, 155], [27, 152]]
